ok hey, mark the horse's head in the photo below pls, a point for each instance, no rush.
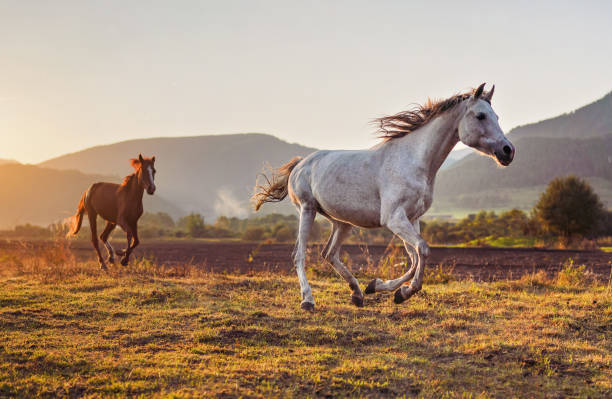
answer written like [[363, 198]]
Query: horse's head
[[145, 170], [479, 128]]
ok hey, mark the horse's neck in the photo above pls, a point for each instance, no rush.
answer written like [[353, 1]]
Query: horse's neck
[[134, 189], [430, 145]]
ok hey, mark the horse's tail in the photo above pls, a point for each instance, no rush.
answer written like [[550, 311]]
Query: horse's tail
[[77, 219], [276, 188]]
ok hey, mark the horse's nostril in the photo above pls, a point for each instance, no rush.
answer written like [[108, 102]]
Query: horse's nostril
[[507, 149]]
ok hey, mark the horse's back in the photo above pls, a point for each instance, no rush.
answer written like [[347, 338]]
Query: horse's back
[[342, 183], [103, 200]]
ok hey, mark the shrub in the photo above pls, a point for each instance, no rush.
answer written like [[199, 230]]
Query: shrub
[[254, 233]]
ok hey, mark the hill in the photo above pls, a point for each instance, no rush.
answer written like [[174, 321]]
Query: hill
[[32, 194], [578, 143], [212, 175], [592, 120], [7, 161]]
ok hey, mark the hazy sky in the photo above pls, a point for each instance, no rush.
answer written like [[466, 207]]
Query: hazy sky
[[74, 74]]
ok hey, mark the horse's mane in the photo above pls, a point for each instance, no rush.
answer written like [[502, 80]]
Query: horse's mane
[[402, 123], [127, 180]]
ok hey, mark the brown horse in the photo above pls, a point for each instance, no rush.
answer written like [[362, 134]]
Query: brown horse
[[118, 204]]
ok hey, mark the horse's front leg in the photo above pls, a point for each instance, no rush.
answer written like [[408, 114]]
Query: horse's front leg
[[399, 224], [133, 241], [378, 285]]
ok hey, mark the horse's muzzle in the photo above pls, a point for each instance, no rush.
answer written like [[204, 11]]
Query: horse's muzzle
[[150, 190], [505, 155]]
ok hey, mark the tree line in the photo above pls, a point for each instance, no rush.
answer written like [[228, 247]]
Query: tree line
[[569, 210]]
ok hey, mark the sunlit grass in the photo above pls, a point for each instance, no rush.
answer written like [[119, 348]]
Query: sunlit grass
[[164, 332]]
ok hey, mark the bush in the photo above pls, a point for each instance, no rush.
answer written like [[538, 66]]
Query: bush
[[284, 234], [572, 275], [254, 233]]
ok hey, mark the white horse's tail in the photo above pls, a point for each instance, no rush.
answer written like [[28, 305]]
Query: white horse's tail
[[276, 188]]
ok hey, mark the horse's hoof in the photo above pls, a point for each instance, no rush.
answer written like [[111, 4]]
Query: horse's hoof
[[103, 267], [357, 300], [399, 298], [124, 261], [371, 288], [308, 306]]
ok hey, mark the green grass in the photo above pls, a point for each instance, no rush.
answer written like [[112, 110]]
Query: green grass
[[213, 335], [502, 242]]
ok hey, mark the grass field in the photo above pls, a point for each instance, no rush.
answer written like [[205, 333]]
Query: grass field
[[67, 330]]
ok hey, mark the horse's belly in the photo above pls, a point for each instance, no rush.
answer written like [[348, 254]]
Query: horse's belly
[[353, 209]]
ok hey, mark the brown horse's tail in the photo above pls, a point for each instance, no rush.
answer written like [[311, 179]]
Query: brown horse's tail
[[77, 219], [276, 188]]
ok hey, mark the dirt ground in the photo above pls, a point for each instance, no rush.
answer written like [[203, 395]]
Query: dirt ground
[[479, 264]]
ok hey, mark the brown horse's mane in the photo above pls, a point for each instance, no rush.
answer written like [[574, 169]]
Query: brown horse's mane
[[127, 180], [405, 122]]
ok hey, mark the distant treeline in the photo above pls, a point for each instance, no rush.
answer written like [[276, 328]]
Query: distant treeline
[[569, 211]]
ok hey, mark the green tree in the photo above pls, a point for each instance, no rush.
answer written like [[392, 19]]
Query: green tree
[[193, 224], [515, 223], [569, 207]]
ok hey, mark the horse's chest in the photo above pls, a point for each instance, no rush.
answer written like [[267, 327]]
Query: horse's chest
[[419, 202]]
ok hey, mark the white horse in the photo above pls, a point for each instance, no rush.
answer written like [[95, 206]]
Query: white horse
[[389, 185]]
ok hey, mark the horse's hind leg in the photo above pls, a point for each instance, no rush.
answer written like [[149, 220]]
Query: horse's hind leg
[[340, 231], [110, 226], [94, 236], [307, 215]]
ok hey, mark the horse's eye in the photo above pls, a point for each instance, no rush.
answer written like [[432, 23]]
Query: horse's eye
[[480, 116]]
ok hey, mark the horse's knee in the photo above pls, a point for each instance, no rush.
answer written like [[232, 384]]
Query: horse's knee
[[423, 248]]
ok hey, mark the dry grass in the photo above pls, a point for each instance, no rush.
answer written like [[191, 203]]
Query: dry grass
[[69, 330]]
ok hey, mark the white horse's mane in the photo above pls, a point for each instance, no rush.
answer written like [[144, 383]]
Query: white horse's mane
[[405, 122]]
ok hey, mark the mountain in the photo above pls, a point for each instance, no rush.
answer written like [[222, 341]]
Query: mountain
[[32, 194], [455, 156], [5, 161], [592, 120], [212, 175], [578, 143]]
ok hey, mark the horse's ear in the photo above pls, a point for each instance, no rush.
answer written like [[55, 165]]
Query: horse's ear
[[140, 158], [153, 158], [135, 163], [489, 95], [479, 91]]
